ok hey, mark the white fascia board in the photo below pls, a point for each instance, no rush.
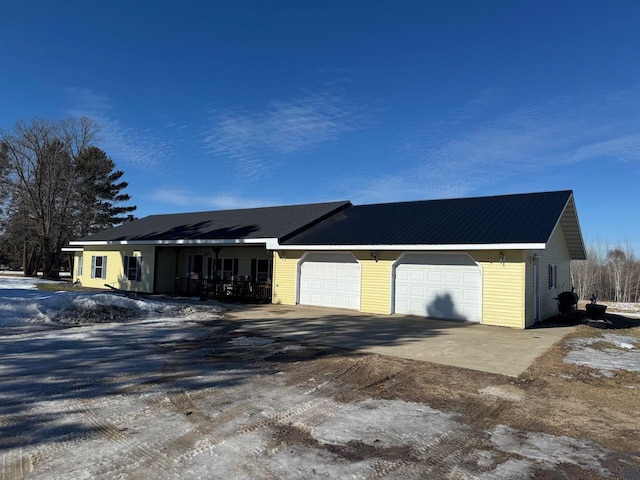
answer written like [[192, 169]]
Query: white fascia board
[[199, 242], [72, 249], [445, 247]]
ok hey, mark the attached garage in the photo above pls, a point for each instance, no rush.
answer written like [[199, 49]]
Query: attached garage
[[329, 280], [438, 285], [470, 259]]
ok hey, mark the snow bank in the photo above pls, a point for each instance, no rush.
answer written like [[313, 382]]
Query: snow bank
[[21, 304]]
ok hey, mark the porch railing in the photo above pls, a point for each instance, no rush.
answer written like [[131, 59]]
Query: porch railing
[[236, 289]]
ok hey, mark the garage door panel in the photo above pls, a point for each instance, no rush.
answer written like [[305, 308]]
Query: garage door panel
[[427, 285], [472, 295], [434, 275], [418, 291], [455, 294], [472, 278], [331, 283], [416, 275], [453, 277], [402, 290], [402, 274]]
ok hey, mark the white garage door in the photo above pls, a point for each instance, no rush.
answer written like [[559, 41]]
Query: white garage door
[[439, 286], [330, 280]]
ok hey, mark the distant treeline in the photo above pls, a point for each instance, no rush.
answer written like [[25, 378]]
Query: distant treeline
[[612, 272]]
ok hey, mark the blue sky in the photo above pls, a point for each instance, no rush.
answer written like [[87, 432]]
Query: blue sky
[[214, 105]]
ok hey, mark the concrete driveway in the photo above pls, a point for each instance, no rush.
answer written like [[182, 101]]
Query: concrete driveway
[[486, 348]]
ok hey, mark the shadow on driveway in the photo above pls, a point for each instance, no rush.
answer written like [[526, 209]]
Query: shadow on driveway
[[486, 348]]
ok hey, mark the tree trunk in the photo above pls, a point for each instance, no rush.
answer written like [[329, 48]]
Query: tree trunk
[[25, 259], [50, 261], [31, 261]]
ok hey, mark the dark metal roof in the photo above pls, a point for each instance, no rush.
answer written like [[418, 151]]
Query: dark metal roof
[[506, 219], [268, 222]]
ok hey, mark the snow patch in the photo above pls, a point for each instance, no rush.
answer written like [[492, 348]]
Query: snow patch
[[21, 283], [236, 458], [625, 357], [386, 423], [251, 341], [549, 450], [293, 348]]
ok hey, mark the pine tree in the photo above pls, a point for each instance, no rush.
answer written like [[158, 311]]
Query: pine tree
[[99, 194]]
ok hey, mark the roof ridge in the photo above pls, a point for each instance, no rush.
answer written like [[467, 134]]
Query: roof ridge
[[569, 191], [201, 212]]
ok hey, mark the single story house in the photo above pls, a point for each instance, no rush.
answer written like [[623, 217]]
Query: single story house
[[498, 260]]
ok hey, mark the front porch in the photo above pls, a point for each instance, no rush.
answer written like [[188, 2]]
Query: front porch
[[239, 273]]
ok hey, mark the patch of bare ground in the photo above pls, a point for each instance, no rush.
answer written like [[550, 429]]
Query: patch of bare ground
[[568, 399], [552, 397]]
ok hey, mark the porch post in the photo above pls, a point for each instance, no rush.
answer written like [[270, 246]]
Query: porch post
[[216, 252], [177, 270]]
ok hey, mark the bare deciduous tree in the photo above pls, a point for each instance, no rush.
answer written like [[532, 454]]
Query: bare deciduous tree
[[43, 166], [613, 272]]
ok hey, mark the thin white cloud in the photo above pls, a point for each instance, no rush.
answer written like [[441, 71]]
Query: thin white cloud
[[187, 200], [478, 148], [254, 140], [143, 149]]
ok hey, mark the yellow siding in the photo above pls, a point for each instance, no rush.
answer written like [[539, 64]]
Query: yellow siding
[[285, 274], [375, 288], [503, 284], [503, 288], [375, 293], [115, 276]]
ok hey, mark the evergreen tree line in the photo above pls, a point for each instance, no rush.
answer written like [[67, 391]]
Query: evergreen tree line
[[612, 272], [55, 186]]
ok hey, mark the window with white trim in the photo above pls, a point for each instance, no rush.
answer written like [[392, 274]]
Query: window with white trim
[[98, 266], [133, 268], [79, 270], [553, 276]]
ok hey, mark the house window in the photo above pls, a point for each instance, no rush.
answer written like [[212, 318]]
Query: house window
[[133, 268], [260, 270], [98, 266], [195, 263], [553, 276], [79, 257], [226, 268]]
